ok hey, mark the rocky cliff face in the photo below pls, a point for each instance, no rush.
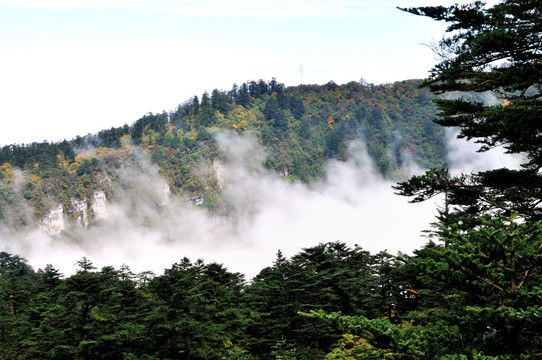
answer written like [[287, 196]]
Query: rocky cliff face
[[80, 212], [99, 205], [55, 222], [217, 167]]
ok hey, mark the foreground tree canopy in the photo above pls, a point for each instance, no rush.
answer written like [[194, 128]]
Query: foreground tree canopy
[[194, 310], [488, 260], [496, 50]]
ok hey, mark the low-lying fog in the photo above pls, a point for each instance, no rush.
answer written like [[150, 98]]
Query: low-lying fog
[[353, 204]]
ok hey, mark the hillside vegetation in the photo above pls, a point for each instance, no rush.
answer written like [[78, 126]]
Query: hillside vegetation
[[300, 128]]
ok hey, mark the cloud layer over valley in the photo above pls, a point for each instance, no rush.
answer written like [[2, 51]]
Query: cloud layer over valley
[[148, 230]]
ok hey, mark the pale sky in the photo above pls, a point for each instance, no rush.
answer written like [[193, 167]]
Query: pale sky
[[72, 67]]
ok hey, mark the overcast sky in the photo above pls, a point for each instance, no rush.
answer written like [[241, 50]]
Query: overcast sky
[[72, 67]]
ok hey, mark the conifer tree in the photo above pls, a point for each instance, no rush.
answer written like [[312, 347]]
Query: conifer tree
[[487, 267], [493, 50]]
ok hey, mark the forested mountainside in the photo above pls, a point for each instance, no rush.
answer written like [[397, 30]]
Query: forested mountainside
[[300, 128]]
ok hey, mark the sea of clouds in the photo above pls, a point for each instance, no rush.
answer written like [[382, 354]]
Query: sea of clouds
[[352, 203]]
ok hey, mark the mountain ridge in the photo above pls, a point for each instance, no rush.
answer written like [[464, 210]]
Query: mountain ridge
[[301, 128]]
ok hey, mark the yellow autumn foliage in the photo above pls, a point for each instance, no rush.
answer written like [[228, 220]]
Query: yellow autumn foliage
[[330, 122], [7, 172]]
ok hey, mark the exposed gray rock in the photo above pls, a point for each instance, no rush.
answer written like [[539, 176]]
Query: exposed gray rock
[[99, 205], [53, 223], [80, 212]]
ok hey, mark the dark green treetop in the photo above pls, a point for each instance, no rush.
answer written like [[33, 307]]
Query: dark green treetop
[[497, 50], [488, 263]]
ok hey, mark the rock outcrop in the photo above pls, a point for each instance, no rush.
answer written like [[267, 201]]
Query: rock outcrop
[[99, 205], [80, 212], [53, 223]]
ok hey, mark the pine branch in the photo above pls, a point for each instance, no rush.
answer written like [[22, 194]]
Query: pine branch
[[457, 265]]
